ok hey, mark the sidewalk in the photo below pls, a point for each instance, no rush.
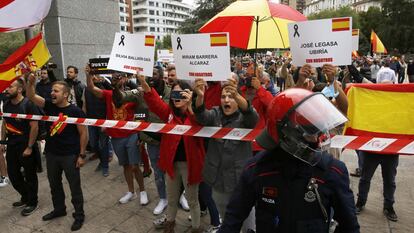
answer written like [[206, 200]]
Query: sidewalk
[[104, 213]]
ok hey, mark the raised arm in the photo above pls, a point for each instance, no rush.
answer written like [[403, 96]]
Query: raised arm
[[90, 85], [31, 92]]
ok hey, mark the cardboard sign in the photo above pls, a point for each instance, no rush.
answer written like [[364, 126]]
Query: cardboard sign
[[318, 42], [132, 53], [164, 55], [202, 56], [99, 66], [355, 39]]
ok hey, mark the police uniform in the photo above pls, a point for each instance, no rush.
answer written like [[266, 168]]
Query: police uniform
[[292, 196]]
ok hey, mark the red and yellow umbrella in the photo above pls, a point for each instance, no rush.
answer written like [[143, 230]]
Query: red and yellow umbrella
[[255, 24]]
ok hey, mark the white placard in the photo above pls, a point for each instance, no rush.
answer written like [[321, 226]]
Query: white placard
[[340, 141], [377, 144], [355, 39], [164, 55], [318, 42], [202, 56], [132, 53]]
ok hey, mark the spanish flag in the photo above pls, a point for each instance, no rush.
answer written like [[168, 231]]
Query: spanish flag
[[341, 24], [13, 130], [29, 57], [381, 110], [218, 39], [355, 32], [377, 45], [149, 40]]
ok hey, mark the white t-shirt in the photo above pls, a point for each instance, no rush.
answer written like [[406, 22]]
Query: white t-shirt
[[385, 74]]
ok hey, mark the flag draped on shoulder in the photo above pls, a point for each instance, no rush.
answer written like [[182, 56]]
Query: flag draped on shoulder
[[29, 57], [21, 14], [381, 110], [376, 43]]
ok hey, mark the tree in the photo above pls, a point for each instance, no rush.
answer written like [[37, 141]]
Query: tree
[[9, 42], [166, 42], [373, 19], [397, 32], [206, 10]]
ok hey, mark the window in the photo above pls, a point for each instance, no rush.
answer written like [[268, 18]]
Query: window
[[121, 9], [122, 28], [152, 21], [151, 12], [158, 29], [156, 4], [122, 18], [158, 37], [152, 29], [158, 13], [151, 3]]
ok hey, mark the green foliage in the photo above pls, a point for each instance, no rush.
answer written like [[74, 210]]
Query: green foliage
[[9, 42], [398, 28], [206, 10], [166, 42]]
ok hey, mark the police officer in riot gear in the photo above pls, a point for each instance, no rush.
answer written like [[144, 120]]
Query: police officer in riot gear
[[295, 185]]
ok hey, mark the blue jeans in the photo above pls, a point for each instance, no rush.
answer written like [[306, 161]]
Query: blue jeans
[[207, 196], [154, 154], [99, 142], [389, 165]]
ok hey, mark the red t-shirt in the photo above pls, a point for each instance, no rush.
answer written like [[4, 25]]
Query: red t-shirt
[[123, 113]]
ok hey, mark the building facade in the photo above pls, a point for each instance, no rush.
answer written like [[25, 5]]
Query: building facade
[[125, 16], [159, 17], [299, 5], [74, 35], [315, 6]]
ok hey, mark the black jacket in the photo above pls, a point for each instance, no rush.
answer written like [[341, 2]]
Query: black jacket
[[78, 87], [276, 183]]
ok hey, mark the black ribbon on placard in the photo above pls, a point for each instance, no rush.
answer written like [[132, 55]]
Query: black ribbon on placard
[[179, 44], [296, 27], [122, 40]]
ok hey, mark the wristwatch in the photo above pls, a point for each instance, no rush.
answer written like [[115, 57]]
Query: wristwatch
[[82, 156]]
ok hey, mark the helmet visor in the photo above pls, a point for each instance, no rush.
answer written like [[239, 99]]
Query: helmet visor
[[307, 126], [316, 115]]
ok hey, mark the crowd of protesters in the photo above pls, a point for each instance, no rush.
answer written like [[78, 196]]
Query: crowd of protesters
[[194, 173]]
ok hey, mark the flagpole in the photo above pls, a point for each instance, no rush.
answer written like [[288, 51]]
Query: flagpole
[[28, 34]]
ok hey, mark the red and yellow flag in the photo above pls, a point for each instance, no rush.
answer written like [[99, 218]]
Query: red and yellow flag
[[341, 24], [218, 39], [355, 32], [13, 130], [376, 43], [29, 57], [381, 110], [150, 41]]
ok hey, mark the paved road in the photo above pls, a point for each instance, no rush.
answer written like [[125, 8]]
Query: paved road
[[104, 214]]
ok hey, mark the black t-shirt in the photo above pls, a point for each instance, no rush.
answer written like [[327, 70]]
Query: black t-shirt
[[18, 130], [62, 138]]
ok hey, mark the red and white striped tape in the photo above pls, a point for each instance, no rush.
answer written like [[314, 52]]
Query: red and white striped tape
[[383, 145]]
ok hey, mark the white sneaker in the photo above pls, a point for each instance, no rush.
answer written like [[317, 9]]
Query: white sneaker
[[128, 197], [184, 203], [143, 198], [4, 181], [212, 229], [162, 204]]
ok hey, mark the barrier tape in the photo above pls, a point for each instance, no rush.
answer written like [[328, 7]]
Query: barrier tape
[[383, 145]]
